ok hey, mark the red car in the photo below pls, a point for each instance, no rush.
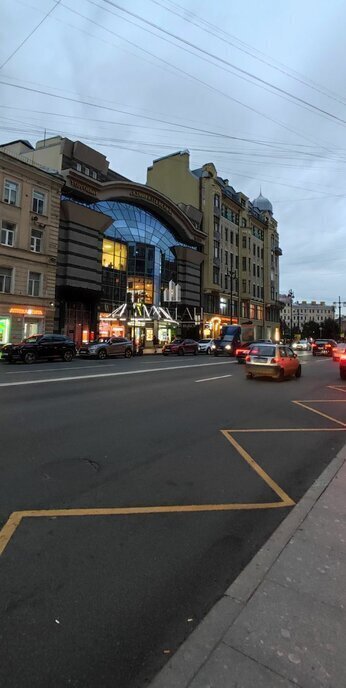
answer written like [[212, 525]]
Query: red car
[[181, 347], [338, 351], [343, 366]]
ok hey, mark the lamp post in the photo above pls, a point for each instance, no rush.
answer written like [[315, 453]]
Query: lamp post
[[291, 297], [339, 303], [232, 275]]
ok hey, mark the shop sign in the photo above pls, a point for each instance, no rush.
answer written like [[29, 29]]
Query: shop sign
[[151, 199], [19, 310], [81, 186]]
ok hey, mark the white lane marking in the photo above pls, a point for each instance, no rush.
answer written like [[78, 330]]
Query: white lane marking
[[124, 372], [219, 377], [81, 367]]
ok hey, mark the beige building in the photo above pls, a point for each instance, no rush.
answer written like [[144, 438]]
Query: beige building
[[297, 313], [29, 224], [240, 280]]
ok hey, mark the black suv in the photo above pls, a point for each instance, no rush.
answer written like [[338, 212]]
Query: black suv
[[39, 347], [323, 347]]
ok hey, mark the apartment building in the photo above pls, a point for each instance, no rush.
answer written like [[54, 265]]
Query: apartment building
[[296, 313], [29, 224], [240, 272]]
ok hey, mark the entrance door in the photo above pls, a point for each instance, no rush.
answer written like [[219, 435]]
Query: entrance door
[[32, 327]]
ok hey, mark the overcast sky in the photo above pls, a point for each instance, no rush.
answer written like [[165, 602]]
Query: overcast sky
[[146, 93]]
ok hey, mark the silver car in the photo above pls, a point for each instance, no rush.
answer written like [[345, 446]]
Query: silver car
[[204, 346], [105, 347]]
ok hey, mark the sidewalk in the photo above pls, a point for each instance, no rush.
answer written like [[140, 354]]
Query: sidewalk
[[282, 623]]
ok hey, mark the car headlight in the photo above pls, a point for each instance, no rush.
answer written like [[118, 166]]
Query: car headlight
[[228, 346], [213, 346]]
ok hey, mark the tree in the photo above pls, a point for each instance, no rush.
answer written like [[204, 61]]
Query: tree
[[330, 329], [311, 329]]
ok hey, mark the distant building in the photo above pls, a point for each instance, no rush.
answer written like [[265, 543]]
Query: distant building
[[240, 272], [29, 225], [304, 311]]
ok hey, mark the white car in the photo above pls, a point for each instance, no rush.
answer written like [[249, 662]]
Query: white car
[[204, 346], [302, 345]]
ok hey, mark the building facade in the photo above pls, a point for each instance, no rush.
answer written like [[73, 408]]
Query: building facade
[[121, 246], [29, 225], [240, 272], [296, 314]]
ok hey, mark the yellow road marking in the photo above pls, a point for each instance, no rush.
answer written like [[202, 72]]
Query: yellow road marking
[[265, 477], [9, 528], [288, 430], [324, 415]]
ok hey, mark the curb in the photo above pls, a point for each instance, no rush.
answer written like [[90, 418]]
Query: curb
[[195, 651]]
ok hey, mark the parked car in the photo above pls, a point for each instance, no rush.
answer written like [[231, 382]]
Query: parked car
[[40, 347], [338, 350], [323, 347], [105, 347], [244, 349], [181, 347], [204, 346], [272, 360], [342, 366], [302, 345]]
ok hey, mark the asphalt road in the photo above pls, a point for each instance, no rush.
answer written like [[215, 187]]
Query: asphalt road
[[90, 599]]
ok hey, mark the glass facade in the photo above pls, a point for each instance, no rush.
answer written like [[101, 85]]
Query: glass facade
[[151, 263]]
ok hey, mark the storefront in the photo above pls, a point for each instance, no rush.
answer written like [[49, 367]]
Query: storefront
[[19, 322], [5, 329], [146, 324], [213, 324]]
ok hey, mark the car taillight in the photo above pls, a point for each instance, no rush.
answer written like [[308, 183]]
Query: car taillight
[[314, 346], [275, 360], [248, 358], [343, 357]]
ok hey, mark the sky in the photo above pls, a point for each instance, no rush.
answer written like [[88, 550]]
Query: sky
[[258, 88]]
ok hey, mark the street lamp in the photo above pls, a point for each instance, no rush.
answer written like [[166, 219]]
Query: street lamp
[[339, 303], [291, 297], [232, 275]]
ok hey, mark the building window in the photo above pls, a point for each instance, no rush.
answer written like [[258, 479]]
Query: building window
[[262, 253], [236, 262], [216, 201], [226, 257], [243, 222], [7, 233], [244, 264], [216, 275], [78, 167], [254, 290], [244, 242], [94, 174], [86, 171], [249, 261], [226, 281], [36, 240], [254, 250], [232, 237], [226, 233], [258, 251], [34, 284], [216, 227], [258, 271], [11, 192], [254, 270], [237, 240], [38, 202], [258, 292], [5, 280], [243, 285], [216, 249]]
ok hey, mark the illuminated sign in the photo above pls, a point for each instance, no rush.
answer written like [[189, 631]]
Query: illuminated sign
[[19, 310]]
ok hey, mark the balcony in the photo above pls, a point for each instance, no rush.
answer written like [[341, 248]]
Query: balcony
[[278, 251]]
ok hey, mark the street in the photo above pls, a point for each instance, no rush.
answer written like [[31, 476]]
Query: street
[[132, 493]]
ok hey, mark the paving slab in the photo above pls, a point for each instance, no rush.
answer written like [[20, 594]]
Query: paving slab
[[294, 635], [228, 668]]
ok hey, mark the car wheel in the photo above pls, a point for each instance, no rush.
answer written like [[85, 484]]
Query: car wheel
[[181, 352], [249, 376], [128, 353], [102, 354], [29, 357], [209, 352], [343, 374], [298, 372], [67, 356]]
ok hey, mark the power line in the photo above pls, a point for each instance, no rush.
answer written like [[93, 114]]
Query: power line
[[243, 72], [30, 34], [209, 27]]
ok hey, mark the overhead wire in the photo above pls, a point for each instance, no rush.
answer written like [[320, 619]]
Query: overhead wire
[[30, 34]]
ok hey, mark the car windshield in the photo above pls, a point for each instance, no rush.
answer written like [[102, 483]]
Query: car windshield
[[262, 350], [177, 341], [100, 340], [204, 341]]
